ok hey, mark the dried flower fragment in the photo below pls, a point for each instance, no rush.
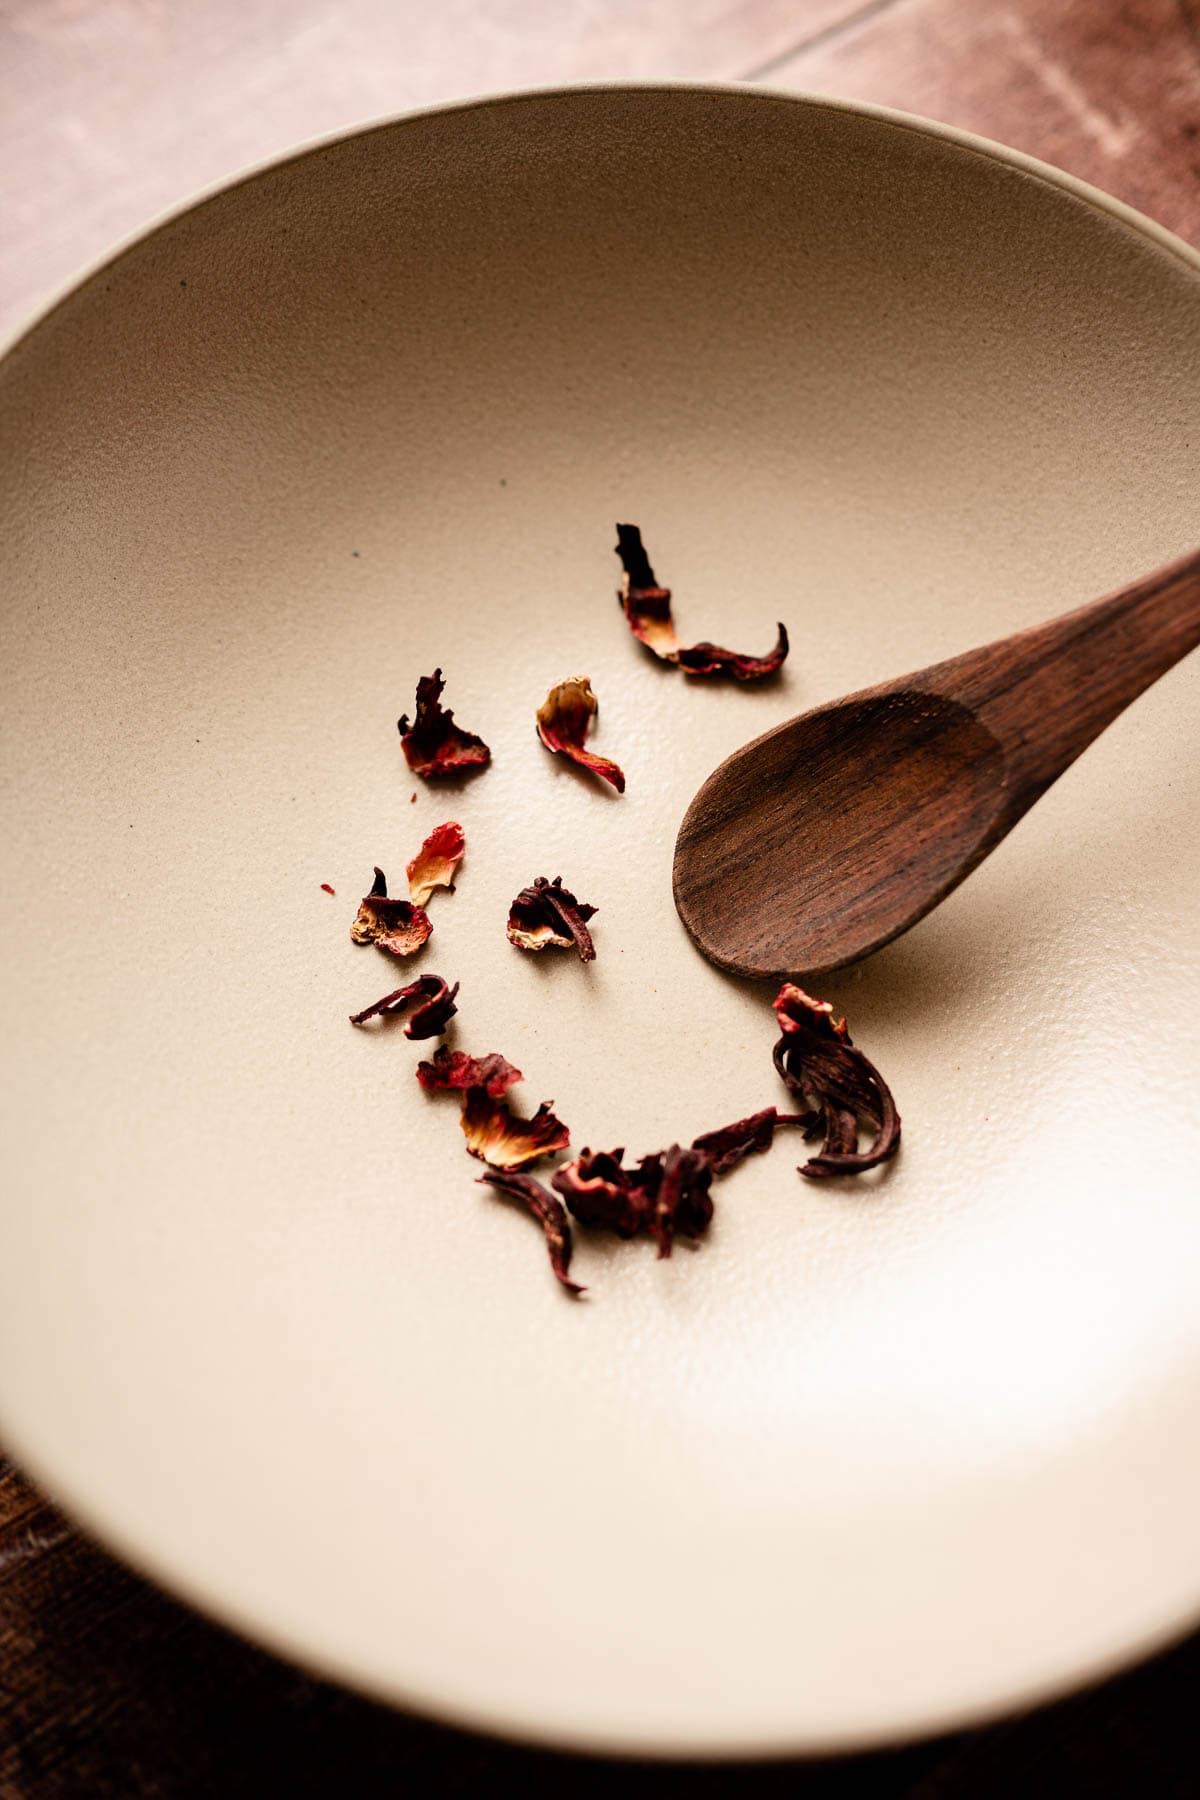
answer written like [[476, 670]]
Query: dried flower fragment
[[326, 889], [431, 1016], [435, 862], [497, 1136], [600, 1192], [394, 925], [677, 1183], [666, 1195], [547, 1211], [547, 913], [647, 608], [725, 1148], [454, 1070], [563, 721], [433, 744], [829, 1074]]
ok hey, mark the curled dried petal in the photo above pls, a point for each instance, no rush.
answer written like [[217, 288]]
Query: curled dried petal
[[563, 721], [817, 1058], [600, 1192], [710, 659], [433, 744], [454, 1070], [683, 1203], [647, 608], [665, 1195], [435, 862], [396, 926], [725, 1148], [430, 1018], [549, 1213], [548, 913], [495, 1135]]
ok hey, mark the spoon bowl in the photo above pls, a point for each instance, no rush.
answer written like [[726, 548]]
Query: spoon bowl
[[781, 888], [827, 837]]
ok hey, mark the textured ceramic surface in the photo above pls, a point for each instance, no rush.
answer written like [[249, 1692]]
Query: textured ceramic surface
[[870, 1459]]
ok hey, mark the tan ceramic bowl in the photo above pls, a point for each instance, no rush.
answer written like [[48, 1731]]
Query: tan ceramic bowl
[[867, 1461]]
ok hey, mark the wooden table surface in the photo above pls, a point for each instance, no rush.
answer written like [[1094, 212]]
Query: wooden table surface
[[110, 111]]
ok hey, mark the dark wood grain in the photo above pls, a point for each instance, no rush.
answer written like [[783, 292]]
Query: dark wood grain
[[832, 834]]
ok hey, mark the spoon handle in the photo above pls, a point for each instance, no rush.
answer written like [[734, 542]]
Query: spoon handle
[[1047, 692]]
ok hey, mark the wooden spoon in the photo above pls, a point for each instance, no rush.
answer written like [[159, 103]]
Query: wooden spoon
[[829, 836]]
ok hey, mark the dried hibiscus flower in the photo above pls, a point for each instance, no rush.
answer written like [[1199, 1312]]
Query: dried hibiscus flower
[[435, 862], [454, 1070], [676, 1183], [726, 1147], [494, 1134], [394, 925], [648, 612], [546, 1210], [829, 1074], [563, 721], [431, 1016], [599, 1191], [497, 1136], [433, 744], [666, 1195], [548, 913]]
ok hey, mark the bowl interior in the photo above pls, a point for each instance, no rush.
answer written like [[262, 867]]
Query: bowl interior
[[867, 1461]]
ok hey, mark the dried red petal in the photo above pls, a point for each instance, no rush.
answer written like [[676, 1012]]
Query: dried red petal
[[496, 1136], [549, 1213], [326, 889], [821, 1064], [435, 862], [548, 913], [647, 608], [710, 659], [396, 926], [433, 744], [675, 1184], [600, 1192], [563, 721], [726, 1147], [454, 1070], [429, 1019], [667, 1194]]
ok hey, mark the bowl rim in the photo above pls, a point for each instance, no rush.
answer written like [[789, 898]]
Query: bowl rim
[[42, 309]]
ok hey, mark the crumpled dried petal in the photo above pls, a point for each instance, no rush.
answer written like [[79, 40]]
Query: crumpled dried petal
[[829, 1074], [548, 913], [676, 1183], [435, 862], [648, 612], [495, 1135], [563, 720], [431, 1016], [600, 1192], [454, 1070], [725, 1148], [396, 926], [666, 1195], [549, 1213], [433, 744]]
